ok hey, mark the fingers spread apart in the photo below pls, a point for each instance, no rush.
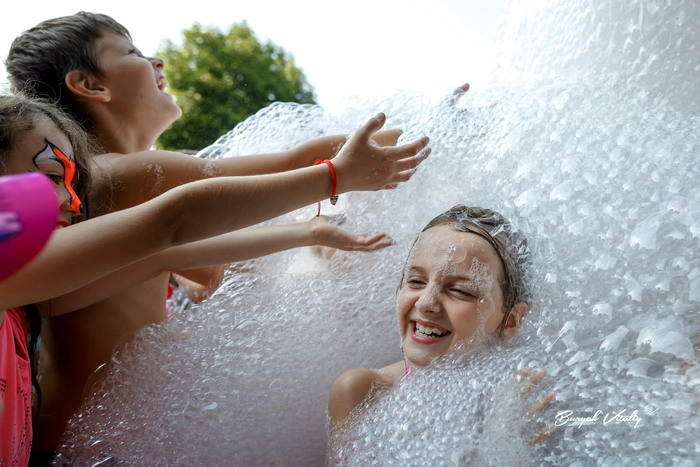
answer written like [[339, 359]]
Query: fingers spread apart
[[542, 434], [528, 379], [370, 242], [413, 161], [406, 150]]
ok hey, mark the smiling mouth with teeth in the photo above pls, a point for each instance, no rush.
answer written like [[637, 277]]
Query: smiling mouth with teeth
[[428, 332]]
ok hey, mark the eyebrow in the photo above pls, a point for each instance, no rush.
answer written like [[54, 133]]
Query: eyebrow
[[458, 277], [415, 269]]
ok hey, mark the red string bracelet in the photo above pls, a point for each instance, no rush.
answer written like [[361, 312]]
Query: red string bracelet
[[334, 181]]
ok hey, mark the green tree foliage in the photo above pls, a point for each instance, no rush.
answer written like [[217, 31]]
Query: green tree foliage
[[220, 79]]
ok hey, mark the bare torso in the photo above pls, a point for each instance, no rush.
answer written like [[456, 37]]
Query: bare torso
[[76, 344]]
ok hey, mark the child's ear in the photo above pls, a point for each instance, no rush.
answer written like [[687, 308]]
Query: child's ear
[[87, 87], [517, 313]]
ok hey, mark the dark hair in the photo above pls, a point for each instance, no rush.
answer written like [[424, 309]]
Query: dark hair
[[509, 243], [19, 113], [41, 57]]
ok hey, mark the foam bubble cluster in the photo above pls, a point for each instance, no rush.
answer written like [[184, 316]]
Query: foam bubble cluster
[[587, 139], [449, 407]]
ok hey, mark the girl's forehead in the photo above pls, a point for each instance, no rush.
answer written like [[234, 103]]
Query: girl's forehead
[[444, 238], [30, 143], [47, 130], [444, 245]]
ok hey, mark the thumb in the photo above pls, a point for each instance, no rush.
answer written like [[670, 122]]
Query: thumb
[[373, 125]]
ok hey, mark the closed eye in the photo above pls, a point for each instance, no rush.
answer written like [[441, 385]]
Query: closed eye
[[415, 282], [462, 292]]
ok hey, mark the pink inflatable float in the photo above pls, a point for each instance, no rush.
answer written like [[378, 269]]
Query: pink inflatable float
[[28, 216]]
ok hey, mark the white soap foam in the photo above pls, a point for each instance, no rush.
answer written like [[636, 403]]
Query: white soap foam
[[587, 139]]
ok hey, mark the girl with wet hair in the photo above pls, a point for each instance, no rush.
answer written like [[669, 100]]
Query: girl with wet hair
[[463, 284], [510, 245]]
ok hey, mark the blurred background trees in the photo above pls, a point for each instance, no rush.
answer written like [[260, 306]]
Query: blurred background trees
[[219, 79]]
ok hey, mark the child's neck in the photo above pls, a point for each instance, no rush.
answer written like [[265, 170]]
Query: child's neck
[[114, 136], [122, 144]]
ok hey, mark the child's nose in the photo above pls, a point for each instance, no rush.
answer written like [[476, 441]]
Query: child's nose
[[70, 201], [429, 300], [157, 63]]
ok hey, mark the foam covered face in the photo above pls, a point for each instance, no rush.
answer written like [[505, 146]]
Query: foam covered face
[[451, 294]]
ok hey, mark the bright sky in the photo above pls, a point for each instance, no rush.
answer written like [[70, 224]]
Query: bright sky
[[360, 48]]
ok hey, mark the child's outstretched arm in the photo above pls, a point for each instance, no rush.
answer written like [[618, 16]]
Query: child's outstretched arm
[[302, 155], [150, 173], [82, 253], [240, 245], [168, 170]]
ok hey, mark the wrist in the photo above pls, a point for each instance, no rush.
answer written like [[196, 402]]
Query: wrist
[[313, 232], [333, 179], [323, 147]]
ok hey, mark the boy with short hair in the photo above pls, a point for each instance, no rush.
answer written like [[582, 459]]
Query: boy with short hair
[[87, 62]]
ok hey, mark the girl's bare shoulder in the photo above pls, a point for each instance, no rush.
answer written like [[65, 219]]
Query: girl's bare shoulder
[[351, 388]]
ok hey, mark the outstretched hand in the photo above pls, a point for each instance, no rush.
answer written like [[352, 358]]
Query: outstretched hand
[[361, 165], [387, 137], [327, 232], [528, 380]]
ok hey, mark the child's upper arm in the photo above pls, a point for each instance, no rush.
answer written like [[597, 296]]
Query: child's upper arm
[[348, 391], [138, 177]]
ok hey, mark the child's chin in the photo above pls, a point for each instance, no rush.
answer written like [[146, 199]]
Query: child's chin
[[420, 358]]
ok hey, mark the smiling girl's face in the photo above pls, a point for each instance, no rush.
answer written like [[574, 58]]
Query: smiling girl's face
[[46, 149], [451, 292]]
